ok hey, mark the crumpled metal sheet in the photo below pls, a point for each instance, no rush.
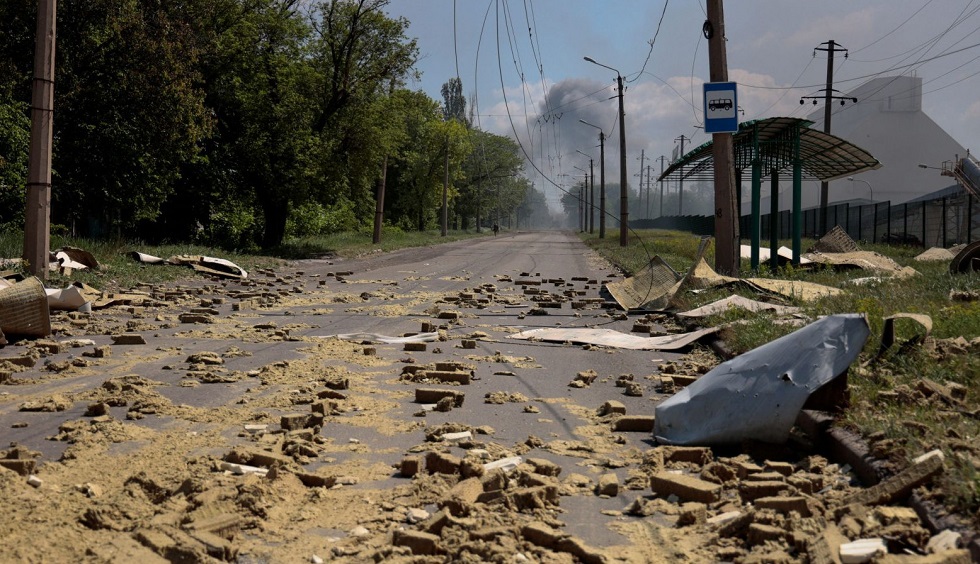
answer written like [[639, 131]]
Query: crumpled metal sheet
[[967, 260], [612, 338], [650, 287], [867, 260], [759, 394]]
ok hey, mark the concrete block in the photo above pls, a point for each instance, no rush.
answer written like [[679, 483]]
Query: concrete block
[[686, 488]]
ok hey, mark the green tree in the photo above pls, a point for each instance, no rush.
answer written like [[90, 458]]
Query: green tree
[[454, 103], [15, 133]]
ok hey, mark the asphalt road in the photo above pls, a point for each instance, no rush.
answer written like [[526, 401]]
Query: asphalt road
[[389, 294]]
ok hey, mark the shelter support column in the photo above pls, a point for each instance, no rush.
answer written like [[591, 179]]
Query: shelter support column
[[756, 197], [797, 198], [774, 220]]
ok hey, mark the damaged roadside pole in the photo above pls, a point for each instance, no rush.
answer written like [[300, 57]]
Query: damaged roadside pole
[[759, 394]]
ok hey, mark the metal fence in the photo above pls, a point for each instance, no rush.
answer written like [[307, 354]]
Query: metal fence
[[943, 222]]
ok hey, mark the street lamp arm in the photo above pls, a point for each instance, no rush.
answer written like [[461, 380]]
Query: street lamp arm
[[594, 62], [591, 124]]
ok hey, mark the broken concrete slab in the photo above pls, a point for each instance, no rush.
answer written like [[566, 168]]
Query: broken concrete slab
[[759, 394]]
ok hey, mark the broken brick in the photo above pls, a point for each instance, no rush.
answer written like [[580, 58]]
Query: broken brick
[[685, 487]]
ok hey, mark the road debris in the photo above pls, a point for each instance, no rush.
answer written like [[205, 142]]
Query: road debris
[[759, 394]]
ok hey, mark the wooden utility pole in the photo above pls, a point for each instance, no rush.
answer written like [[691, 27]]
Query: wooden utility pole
[[379, 207], [648, 192], [726, 220], [37, 224], [445, 193]]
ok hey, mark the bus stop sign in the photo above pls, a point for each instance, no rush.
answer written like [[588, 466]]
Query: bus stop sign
[[720, 107]]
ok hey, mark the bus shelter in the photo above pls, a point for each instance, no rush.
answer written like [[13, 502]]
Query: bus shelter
[[768, 147]]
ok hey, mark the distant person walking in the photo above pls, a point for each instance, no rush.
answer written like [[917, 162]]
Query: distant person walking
[[495, 228]]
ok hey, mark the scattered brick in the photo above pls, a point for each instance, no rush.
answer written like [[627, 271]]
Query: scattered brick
[[785, 504], [417, 541], [441, 463], [433, 395], [900, 485], [694, 455], [612, 406], [685, 487], [416, 347], [544, 467], [410, 466], [634, 423], [751, 491], [760, 533], [608, 485], [128, 339], [692, 513]]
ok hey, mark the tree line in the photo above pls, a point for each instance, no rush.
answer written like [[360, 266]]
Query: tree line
[[242, 123]]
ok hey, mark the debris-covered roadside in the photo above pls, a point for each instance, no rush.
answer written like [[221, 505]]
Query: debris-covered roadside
[[319, 414]]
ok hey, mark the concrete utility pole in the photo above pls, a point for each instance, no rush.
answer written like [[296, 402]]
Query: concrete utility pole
[[648, 192], [680, 183], [642, 156], [831, 48], [602, 178], [660, 212], [37, 220], [726, 220]]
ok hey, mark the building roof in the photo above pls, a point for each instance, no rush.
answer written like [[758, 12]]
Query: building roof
[[824, 156]]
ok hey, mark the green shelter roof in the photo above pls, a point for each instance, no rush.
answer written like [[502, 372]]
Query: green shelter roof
[[824, 156]]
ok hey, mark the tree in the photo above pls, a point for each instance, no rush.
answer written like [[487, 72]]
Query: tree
[[15, 131], [494, 160], [454, 103]]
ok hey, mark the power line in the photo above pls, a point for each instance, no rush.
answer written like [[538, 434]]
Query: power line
[[652, 42]]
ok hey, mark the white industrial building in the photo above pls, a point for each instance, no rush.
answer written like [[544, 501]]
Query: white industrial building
[[888, 122]]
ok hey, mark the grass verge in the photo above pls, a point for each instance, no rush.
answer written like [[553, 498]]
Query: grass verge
[[891, 404]]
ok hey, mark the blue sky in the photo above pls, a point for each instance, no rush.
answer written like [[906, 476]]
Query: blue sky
[[770, 45]]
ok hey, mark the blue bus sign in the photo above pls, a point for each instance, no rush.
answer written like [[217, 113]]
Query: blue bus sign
[[720, 107]]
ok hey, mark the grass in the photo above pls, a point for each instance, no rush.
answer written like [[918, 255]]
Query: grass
[[120, 271], [887, 404]]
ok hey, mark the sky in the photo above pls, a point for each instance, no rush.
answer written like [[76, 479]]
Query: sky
[[522, 66]]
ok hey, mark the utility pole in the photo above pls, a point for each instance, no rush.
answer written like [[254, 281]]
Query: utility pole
[[591, 197], [379, 206], [680, 183], [726, 223], [37, 220], [624, 209], [648, 191], [831, 48], [642, 156], [660, 212], [445, 193], [602, 178]]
